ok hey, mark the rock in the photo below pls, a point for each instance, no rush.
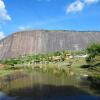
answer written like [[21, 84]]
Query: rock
[[42, 41]]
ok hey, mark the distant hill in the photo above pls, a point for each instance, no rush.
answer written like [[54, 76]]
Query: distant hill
[[43, 41]]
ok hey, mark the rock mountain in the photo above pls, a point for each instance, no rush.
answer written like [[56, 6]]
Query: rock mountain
[[44, 41]]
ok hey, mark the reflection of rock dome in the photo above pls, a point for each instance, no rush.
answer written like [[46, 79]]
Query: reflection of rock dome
[[42, 41], [4, 97]]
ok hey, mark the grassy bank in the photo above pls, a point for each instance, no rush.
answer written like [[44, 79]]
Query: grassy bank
[[58, 68], [65, 62]]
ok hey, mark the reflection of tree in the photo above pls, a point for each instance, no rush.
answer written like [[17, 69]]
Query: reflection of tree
[[49, 90], [5, 83]]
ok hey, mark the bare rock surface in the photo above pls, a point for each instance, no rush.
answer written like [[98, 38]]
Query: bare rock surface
[[44, 41]]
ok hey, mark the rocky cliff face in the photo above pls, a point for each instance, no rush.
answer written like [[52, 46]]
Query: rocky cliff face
[[43, 41]]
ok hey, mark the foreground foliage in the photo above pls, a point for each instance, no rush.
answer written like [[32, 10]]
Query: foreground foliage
[[50, 57], [93, 51]]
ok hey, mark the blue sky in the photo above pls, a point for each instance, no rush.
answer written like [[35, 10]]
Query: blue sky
[[16, 15]]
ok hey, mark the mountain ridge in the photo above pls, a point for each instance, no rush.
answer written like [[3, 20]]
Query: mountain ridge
[[44, 41]]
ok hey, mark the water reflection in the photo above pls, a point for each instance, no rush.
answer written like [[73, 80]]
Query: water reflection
[[80, 97], [44, 86], [83, 97], [3, 96]]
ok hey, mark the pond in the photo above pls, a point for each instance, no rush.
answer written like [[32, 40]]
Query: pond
[[45, 86]]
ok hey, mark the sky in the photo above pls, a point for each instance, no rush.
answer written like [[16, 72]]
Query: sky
[[79, 15]]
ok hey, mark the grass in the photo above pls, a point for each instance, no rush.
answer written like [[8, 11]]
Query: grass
[[57, 68], [4, 72], [52, 67]]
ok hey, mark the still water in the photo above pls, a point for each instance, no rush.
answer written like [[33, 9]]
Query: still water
[[46, 86]]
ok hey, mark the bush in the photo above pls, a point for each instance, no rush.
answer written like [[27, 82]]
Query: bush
[[86, 66], [93, 50]]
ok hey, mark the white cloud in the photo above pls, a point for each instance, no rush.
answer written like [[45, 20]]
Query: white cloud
[[79, 5], [22, 28], [3, 12], [2, 35], [75, 6], [91, 1]]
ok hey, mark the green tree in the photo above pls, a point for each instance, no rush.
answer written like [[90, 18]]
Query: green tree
[[93, 50]]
